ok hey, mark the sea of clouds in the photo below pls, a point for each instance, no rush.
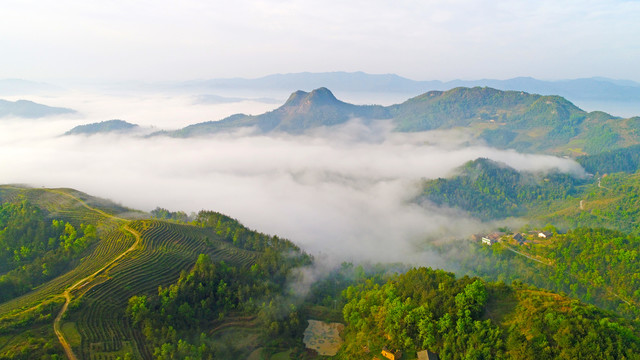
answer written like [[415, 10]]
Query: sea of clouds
[[344, 192]]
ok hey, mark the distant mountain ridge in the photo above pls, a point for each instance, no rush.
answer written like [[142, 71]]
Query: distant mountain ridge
[[595, 88], [11, 87], [503, 119], [30, 109]]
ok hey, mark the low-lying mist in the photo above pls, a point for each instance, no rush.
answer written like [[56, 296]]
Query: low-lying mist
[[343, 192]]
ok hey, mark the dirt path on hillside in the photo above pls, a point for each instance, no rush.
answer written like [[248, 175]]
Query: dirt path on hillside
[[56, 328], [67, 293], [527, 256]]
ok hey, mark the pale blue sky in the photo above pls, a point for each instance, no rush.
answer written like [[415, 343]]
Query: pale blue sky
[[423, 40]]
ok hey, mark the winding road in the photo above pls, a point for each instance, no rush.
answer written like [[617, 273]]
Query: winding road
[[527, 256]]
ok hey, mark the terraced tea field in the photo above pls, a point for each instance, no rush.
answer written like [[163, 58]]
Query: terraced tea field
[[164, 251], [67, 204]]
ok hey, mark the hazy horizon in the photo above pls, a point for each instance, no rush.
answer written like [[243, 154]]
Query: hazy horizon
[[167, 41]]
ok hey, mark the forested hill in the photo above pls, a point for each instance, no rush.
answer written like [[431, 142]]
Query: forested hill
[[492, 190], [489, 190], [119, 126], [619, 160], [503, 119]]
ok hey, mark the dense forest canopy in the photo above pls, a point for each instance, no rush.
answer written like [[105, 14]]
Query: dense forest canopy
[[34, 248], [491, 190], [468, 318]]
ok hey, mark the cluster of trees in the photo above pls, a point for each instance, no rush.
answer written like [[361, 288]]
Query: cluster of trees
[[164, 214], [233, 231], [34, 248], [492, 190], [422, 309], [327, 291], [467, 318]]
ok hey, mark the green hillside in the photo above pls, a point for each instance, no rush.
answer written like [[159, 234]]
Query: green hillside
[[491, 190], [613, 161], [612, 201], [595, 265], [593, 255]]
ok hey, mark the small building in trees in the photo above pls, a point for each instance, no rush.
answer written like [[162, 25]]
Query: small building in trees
[[492, 238], [391, 355], [545, 234], [519, 238], [488, 241], [427, 355]]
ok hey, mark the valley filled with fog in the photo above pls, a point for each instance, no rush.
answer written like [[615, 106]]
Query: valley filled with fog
[[345, 191]]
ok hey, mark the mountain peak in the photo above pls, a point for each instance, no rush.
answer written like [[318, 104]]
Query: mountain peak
[[296, 98], [322, 94], [319, 96]]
